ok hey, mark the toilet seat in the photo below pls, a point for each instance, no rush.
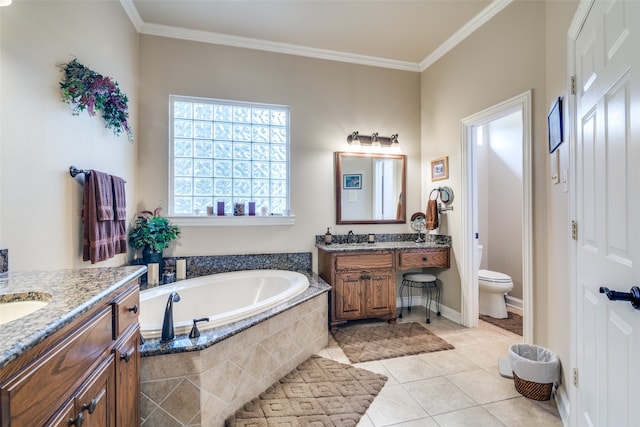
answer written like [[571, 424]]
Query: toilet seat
[[493, 276]]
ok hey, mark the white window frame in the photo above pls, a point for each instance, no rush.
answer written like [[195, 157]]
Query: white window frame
[[227, 220]]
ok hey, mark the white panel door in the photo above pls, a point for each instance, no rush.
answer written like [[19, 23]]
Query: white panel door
[[608, 213]]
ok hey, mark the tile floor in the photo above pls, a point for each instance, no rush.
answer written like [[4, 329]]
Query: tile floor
[[460, 387]]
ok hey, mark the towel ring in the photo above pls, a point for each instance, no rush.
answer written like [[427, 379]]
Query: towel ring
[[445, 194]]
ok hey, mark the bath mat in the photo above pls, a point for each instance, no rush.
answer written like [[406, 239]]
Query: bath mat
[[512, 324], [319, 392], [367, 343]]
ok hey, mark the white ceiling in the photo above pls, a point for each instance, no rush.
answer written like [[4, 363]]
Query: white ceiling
[[401, 34]]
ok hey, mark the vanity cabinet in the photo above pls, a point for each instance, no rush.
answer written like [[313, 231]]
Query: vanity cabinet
[[363, 282], [363, 285], [85, 374]]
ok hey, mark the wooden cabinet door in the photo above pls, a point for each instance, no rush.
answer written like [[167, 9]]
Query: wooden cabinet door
[[379, 293], [127, 357], [348, 296], [96, 398], [92, 405]]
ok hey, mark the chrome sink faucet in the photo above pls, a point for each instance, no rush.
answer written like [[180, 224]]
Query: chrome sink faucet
[[349, 236], [167, 324]]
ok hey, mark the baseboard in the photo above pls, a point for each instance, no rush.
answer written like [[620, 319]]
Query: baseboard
[[421, 300], [563, 404], [515, 303]]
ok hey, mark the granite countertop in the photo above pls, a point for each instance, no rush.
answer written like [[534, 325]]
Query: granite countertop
[[209, 337], [70, 293], [379, 246]]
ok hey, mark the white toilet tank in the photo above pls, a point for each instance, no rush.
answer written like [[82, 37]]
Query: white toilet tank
[[479, 256]]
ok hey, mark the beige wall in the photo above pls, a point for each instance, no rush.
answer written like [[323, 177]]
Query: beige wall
[[500, 198], [39, 138], [559, 15], [502, 59], [328, 101]]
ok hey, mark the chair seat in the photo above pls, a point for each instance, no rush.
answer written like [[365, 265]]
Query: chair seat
[[425, 281], [419, 277]]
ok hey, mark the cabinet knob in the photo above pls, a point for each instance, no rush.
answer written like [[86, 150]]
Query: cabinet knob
[[134, 308], [126, 357], [78, 421], [90, 407]]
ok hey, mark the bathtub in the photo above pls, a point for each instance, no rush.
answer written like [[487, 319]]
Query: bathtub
[[223, 298]]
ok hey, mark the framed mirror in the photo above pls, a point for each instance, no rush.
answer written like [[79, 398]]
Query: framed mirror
[[370, 188]]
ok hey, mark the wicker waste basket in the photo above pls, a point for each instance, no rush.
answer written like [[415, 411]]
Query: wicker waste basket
[[535, 369]]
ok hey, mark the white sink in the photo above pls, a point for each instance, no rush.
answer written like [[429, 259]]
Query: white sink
[[16, 309]]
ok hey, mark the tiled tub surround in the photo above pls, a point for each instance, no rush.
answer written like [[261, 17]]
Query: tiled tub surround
[[202, 388], [200, 382], [72, 293]]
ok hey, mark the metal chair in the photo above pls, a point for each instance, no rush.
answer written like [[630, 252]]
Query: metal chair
[[424, 281]]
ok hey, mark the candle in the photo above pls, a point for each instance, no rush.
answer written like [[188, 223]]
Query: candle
[[252, 208], [264, 210], [220, 208], [152, 273], [181, 269]]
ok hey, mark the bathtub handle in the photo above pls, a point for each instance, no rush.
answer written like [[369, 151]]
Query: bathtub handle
[[134, 308], [195, 333]]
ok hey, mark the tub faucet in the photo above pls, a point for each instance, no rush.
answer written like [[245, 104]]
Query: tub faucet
[[349, 236], [167, 324]]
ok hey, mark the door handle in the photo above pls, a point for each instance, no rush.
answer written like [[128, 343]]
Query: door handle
[[633, 296]]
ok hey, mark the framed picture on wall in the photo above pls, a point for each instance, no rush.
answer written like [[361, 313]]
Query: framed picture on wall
[[352, 181], [554, 121], [440, 168]]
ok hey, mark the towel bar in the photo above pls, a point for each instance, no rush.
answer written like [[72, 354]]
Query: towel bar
[[74, 171]]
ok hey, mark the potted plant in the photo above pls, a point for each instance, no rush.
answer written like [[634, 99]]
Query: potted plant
[[152, 233]]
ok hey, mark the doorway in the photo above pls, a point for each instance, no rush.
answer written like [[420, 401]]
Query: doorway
[[519, 106]]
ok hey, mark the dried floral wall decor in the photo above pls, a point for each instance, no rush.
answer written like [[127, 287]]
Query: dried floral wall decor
[[84, 89]]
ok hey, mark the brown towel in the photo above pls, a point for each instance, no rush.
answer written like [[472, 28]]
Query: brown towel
[[399, 209], [119, 199], [104, 195], [431, 215], [102, 239], [120, 215]]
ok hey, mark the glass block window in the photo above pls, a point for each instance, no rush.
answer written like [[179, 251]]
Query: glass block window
[[228, 151]]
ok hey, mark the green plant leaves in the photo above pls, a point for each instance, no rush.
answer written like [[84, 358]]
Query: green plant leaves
[[153, 231], [84, 89]]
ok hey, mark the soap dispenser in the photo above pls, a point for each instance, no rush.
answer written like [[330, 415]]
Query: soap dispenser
[[327, 236]]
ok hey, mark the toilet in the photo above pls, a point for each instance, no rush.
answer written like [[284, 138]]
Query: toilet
[[492, 287]]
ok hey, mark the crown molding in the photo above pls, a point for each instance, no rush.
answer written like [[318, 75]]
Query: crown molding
[[132, 12], [265, 45], [465, 31], [290, 49]]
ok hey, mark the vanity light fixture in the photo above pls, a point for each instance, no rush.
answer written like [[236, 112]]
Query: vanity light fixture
[[353, 139], [374, 140], [5, 3]]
